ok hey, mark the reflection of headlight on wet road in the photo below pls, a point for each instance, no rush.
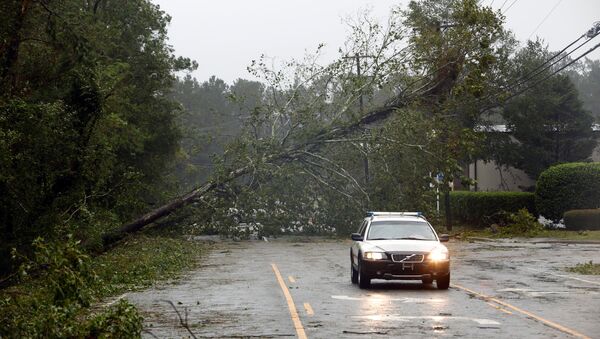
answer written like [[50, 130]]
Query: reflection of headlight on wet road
[[375, 256], [438, 254]]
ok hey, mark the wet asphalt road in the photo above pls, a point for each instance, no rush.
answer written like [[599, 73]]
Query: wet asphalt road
[[522, 291]]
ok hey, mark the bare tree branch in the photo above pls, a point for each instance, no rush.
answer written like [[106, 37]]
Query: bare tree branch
[[182, 321]]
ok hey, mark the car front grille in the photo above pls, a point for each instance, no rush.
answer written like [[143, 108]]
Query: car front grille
[[416, 258]]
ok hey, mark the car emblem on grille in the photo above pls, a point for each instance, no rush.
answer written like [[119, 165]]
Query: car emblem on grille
[[411, 258]]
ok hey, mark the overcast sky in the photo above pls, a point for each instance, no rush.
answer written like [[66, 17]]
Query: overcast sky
[[224, 36]]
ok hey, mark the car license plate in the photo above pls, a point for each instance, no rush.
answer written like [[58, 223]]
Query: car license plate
[[408, 267]]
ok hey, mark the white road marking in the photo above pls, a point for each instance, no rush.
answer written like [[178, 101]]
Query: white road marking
[[438, 318], [404, 300], [562, 276]]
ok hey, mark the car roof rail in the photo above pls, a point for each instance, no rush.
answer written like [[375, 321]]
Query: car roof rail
[[395, 214]]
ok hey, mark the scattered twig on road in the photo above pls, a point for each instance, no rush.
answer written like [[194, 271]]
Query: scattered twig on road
[[182, 320], [150, 333], [369, 332]]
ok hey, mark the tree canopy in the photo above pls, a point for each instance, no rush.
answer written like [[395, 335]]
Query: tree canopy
[[87, 128]]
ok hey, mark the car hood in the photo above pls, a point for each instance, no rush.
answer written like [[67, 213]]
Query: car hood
[[401, 245]]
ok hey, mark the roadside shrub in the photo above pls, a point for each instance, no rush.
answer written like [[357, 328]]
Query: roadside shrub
[[120, 321], [483, 208], [584, 219], [567, 187], [521, 223], [65, 269], [57, 287]]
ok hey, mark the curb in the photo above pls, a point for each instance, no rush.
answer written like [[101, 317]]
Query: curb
[[536, 241], [485, 239], [565, 241]]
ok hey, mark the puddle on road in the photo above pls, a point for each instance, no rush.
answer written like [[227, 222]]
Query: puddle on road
[[481, 322], [383, 299]]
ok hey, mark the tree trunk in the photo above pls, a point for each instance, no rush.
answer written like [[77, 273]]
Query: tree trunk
[[110, 238], [10, 51]]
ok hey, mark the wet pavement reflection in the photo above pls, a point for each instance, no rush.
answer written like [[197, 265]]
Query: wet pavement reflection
[[236, 294]]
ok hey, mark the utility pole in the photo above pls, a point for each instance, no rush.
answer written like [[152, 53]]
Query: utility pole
[[360, 98], [357, 58]]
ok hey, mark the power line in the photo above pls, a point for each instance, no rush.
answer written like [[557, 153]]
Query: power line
[[553, 73], [544, 19], [506, 10], [541, 68], [558, 54], [532, 74], [592, 33], [504, 3]]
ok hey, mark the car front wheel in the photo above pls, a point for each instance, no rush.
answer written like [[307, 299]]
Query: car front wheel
[[353, 272], [363, 280], [443, 283]]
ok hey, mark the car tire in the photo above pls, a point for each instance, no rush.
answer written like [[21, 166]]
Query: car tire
[[353, 272], [363, 280], [443, 283]]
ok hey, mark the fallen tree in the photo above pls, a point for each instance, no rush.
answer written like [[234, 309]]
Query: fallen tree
[[424, 67], [288, 155]]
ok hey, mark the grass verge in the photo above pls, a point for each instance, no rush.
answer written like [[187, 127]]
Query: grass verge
[[587, 268], [143, 260]]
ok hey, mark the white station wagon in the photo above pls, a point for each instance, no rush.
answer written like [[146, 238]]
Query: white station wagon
[[399, 246]]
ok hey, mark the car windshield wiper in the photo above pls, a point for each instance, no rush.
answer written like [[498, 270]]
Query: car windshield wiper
[[381, 239], [409, 238]]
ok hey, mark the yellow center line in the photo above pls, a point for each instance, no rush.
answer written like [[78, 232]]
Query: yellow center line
[[309, 309], [291, 279], [292, 307], [499, 308], [522, 311]]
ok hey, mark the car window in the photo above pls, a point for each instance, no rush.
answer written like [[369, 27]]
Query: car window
[[363, 228], [398, 229]]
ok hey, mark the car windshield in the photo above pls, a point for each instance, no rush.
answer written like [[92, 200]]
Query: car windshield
[[399, 229]]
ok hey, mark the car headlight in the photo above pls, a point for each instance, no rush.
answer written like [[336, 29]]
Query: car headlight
[[375, 256], [438, 254]]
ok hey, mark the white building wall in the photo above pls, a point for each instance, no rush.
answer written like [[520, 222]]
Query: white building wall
[[491, 177]]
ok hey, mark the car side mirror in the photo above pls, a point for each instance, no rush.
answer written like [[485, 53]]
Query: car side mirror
[[444, 237], [357, 237]]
